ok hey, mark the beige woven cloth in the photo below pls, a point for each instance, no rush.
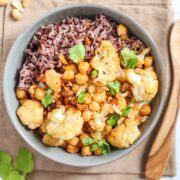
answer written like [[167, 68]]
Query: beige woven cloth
[[156, 17]]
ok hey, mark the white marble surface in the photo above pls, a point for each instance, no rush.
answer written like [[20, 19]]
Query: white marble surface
[[176, 7]]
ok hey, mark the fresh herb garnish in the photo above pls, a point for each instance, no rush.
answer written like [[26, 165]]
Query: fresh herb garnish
[[130, 59], [114, 87], [94, 74], [87, 141], [24, 164], [77, 53], [126, 111], [81, 97], [112, 120], [48, 98]]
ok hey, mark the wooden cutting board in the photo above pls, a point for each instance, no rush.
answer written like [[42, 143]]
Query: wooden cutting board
[[159, 154]]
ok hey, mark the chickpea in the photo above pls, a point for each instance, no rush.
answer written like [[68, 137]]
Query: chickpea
[[75, 88], [87, 99], [16, 14], [22, 101], [86, 115], [74, 141], [121, 30], [64, 145], [83, 135], [32, 89], [83, 67], [97, 152], [124, 37], [91, 88], [86, 151], [126, 86], [62, 59], [20, 93], [138, 119], [39, 94], [107, 129], [68, 75], [81, 79], [148, 61], [72, 149], [70, 67], [94, 106], [145, 110], [87, 41]]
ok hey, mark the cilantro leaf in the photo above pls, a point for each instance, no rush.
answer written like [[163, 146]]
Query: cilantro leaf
[[130, 58], [126, 111], [24, 161], [14, 175], [112, 120], [81, 97], [94, 74], [5, 157], [77, 53], [87, 141], [94, 147], [114, 87], [48, 98], [104, 146]]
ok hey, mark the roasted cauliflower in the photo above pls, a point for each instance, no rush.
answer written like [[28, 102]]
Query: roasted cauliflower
[[31, 113], [145, 84], [107, 62], [64, 124], [124, 134], [53, 80]]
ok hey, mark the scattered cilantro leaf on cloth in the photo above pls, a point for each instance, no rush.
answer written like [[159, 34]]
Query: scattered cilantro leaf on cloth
[[114, 87], [77, 53], [87, 141], [48, 98], [112, 120], [81, 97], [130, 59], [24, 164], [24, 161], [126, 111]]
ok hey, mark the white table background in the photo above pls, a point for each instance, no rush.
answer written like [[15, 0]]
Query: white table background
[[176, 7]]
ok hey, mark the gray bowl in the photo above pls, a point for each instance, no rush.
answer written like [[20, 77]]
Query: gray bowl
[[15, 59]]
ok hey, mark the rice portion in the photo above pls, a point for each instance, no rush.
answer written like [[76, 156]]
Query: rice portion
[[42, 52]]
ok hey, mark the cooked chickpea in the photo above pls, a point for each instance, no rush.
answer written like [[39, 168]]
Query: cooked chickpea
[[126, 86], [91, 88], [74, 141], [20, 93], [107, 129], [22, 101], [83, 135], [145, 110], [121, 29], [87, 99], [39, 94], [83, 67], [148, 61], [68, 75], [81, 79], [70, 67], [87, 41], [72, 149], [124, 37], [97, 152], [64, 145], [86, 115], [32, 89], [94, 106], [86, 151], [138, 119], [62, 59], [75, 88]]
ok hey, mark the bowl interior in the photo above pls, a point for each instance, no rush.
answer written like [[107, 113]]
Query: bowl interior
[[15, 60]]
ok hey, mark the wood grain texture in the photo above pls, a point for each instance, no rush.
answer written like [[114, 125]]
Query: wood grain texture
[[159, 154]]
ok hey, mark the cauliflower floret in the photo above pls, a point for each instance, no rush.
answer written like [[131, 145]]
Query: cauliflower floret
[[64, 124], [31, 113], [124, 134], [47, 139], [145, 84], [53, 80], [107, 62]]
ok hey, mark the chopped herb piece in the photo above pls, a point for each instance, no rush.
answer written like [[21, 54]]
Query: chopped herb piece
[[77, 53], [87, 141], [126, 111], [112, 120], [81, 97], [94, 74], [48, 98], [114, 87], [130, 59], [94, 147], [104, 146]]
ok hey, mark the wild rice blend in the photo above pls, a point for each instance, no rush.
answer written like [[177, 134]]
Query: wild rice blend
[[42, 52]]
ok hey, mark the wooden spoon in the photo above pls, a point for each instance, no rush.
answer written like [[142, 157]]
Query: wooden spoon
[[159, 154]]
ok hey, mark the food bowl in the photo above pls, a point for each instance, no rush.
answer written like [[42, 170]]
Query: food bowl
[[15, 59]]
